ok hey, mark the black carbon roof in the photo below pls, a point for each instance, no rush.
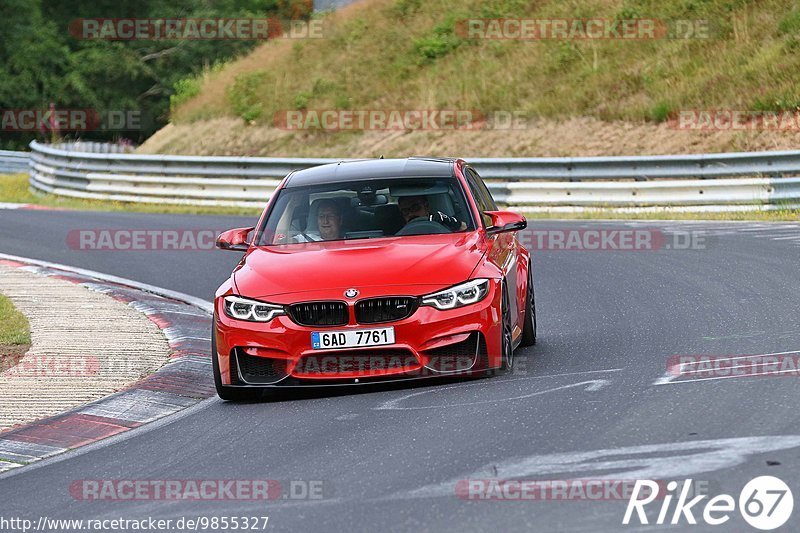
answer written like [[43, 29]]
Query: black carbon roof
[[413, 167]]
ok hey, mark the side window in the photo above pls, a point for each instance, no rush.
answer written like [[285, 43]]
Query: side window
[[485, 191], [485, 202]]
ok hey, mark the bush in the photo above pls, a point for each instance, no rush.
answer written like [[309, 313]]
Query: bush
[[404, 8], [443, 41], [790, 24], [185, 90], [301, 100], [245, 94], [660, 112]]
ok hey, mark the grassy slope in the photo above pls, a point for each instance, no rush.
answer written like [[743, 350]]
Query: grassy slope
[[14, 329], [380, 55], [404, 54]]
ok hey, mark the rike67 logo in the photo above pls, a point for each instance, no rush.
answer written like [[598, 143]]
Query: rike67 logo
[[765, 503]]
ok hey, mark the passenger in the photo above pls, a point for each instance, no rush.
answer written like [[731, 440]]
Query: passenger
[[412, 207]]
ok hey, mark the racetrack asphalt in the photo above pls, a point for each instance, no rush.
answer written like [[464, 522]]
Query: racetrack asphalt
[[389, 457]]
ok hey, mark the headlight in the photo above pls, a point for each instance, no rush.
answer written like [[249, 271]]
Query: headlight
[[251, 310], [458, 296]]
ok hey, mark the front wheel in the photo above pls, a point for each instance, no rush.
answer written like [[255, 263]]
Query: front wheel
[[529, 326], [507, 340]]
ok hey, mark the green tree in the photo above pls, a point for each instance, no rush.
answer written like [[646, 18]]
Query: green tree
[[41, 62]]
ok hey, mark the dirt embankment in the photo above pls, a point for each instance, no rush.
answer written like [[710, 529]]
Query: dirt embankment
[[542, 138]]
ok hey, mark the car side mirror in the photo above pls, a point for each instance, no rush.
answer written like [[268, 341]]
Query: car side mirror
[[503, 221], [234, 239]]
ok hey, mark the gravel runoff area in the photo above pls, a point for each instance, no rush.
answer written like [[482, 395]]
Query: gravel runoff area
[[85, 345]]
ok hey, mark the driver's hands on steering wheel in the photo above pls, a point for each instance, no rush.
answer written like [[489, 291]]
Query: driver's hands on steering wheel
[[449, 222]]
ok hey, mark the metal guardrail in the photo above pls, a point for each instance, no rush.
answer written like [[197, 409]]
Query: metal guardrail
[[732, 181], [13, 162]]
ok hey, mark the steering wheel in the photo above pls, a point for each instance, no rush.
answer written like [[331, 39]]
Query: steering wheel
[[422, 226], [295, 225]]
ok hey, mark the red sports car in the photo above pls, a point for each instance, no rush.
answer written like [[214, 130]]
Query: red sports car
[[373, 270]]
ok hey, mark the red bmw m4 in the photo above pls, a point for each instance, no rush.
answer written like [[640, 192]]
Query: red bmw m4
[[374, 270]]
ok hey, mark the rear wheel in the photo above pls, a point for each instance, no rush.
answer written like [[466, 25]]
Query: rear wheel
[[507, 342], [231, 394], [529, 326]]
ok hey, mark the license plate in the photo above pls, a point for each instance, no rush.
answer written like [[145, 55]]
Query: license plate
[[329, 340]]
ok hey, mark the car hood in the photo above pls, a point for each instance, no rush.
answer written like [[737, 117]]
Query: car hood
[[440, 260]]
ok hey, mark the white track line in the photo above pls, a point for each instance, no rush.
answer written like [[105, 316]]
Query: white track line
[[167, 293], [737, 357], [695, 380], [394, 404]]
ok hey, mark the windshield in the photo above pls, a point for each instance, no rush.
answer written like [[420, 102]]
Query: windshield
[[367, 209]]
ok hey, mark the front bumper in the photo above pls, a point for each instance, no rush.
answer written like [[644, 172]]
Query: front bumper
[[428, 343]]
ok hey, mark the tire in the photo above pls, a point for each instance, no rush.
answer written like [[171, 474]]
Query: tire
[[230, 394], [507, 337], [529, 326]]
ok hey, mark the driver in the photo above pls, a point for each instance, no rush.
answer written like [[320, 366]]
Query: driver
[[412, 207], [329, 222]]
